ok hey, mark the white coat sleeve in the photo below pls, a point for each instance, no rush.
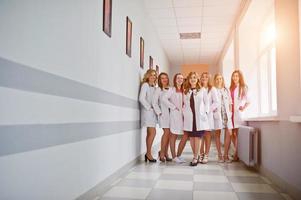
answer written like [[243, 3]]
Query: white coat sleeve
[[155, 101], [142, 97], [166, 100], [215, 101], [247, 96], [206, 101]]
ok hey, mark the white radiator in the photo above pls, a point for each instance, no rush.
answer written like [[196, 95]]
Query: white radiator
[[248, 145]]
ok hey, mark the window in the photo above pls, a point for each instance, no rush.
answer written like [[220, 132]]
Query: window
[[228, 64], [257, 58]]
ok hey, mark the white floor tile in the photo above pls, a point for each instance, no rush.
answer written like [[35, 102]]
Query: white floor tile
[[266, 180], [210, 178], [204, 195], [286, 196], [240, 173], [252, 187], [144, 175], [175, 185], [128, 192], [175, 170]]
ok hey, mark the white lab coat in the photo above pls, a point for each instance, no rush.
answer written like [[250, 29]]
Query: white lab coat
[[161, 109], [174, 101], [239, 101], [213, 105], [201, 110], [148, 116], [223, 95]]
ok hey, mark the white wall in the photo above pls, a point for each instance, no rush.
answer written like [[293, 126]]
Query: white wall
[[65, 38]]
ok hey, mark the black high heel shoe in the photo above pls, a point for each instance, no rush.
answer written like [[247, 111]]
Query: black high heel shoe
[[161, 159], [149, 160], [194, 162], [168, 159]]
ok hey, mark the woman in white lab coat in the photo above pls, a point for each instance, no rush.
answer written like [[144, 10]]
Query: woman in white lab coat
[[174, 100], [213, 104], [240, 100], [162, 111], [222, 118], [195, 111], [148, 116]]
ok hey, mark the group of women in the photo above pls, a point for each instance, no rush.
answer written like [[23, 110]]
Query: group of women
[[193, 107]]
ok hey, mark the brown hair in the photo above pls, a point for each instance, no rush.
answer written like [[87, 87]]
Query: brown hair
[[147, 74], [242, 85], [175, 81], [159, 79], [187, 85], [215, 77], [209, 80]]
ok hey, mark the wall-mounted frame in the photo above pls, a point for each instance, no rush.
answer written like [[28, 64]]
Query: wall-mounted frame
[[128, 37], [141, 52], [151, 62], [107, 17], [157, 69]]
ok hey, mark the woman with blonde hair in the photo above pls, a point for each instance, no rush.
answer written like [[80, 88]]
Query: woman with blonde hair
[[162, 111], [174, 100], [195, 113], [148, 116], [240, 100], [222, 117], [206, 83]]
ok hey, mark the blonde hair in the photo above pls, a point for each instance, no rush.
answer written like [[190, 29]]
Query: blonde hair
[[209, 84], [242, 85], [215, 77], [187, 85], [147, 74]]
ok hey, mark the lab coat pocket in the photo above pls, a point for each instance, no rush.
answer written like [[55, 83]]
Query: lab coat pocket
[[216, 115]]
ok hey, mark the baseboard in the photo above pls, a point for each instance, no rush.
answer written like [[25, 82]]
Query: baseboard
[[283, 185], [97, 191]]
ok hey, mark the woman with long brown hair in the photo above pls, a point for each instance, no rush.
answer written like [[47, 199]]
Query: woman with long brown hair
[[162, 111], [195, 113], [240, 100], [174, 100], [148, 116]]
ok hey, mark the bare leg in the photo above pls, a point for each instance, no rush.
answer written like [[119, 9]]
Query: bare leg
[[191, 139], [227, 143], [164, 142], [197, 144], [172, 143], [218, 142], [207, 142], [151, 133], [202, 149], [182, 144], [235, 142]]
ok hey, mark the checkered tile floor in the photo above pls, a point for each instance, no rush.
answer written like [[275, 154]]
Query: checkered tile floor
[[210, 181]]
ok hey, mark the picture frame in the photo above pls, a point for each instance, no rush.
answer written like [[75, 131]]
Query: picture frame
[[129, 28], [141, 52], [157, 69], [151, 62], [107, 17]]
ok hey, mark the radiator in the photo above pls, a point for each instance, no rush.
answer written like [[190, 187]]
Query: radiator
[[248, 145]]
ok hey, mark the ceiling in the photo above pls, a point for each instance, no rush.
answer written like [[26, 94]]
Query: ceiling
[[213, 18]]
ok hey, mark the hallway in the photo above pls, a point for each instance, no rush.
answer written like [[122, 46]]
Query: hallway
[[211, 181], [89, 87]]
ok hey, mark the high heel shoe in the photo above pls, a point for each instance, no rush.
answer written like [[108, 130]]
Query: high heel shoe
[[147, 159], [168, 159], [194, 162], [160, 158]]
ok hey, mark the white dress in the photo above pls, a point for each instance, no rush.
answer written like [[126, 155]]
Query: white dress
[[237, 102], [223, 115], [161, 109], [201, 110], [213, 106], [148, 116], [174, 101]]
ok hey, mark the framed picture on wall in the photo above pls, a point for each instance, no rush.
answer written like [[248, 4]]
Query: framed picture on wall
[[107, 17], [128, 37], [157, 69], [151, 62], [141, 52]]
